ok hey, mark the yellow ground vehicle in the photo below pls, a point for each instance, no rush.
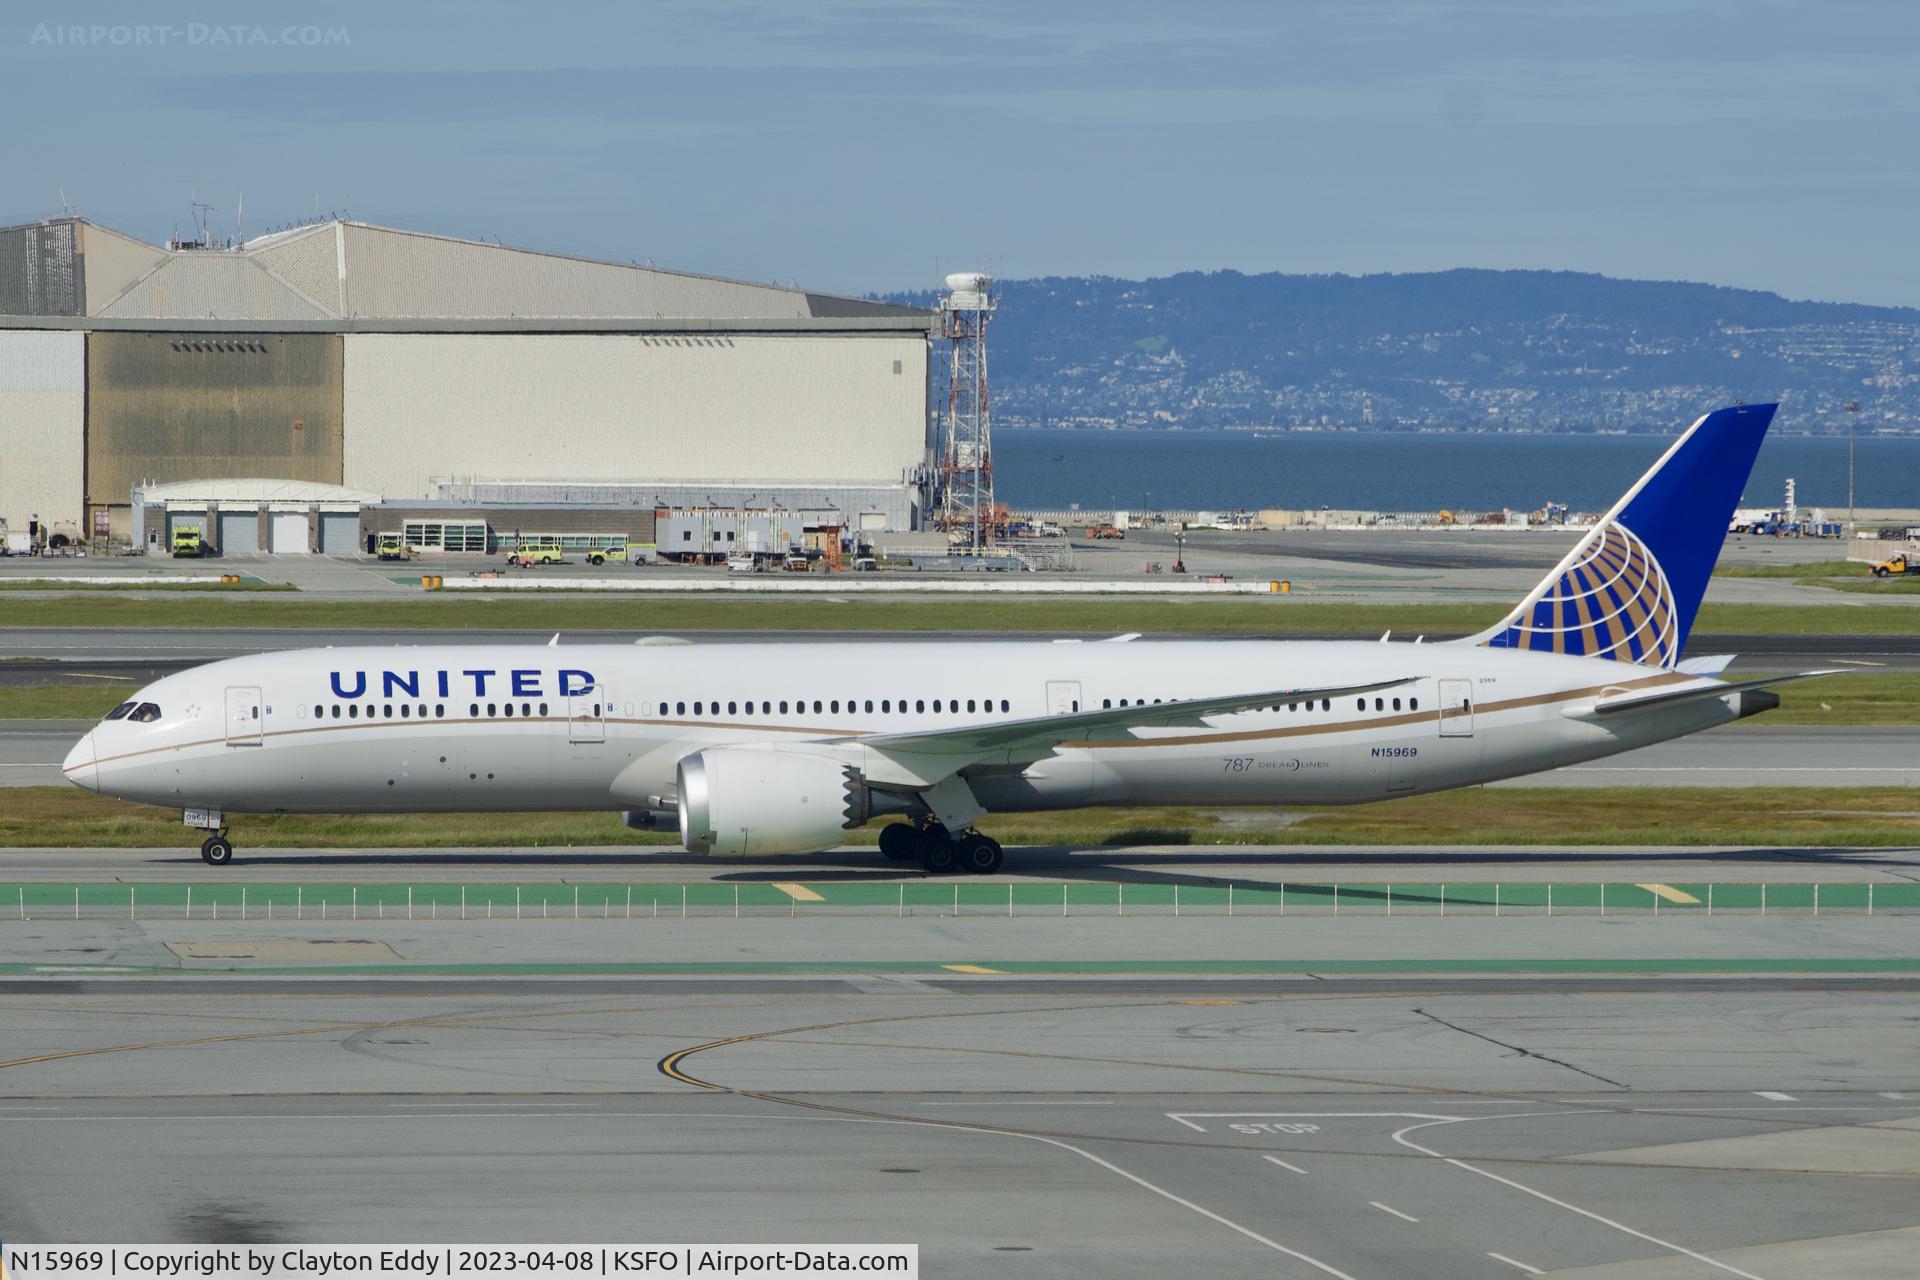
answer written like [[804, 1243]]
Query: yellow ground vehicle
[[1902, 563], [187, 544], [390, 547], [600, 555]]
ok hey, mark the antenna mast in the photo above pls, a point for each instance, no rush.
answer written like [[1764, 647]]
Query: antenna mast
[[966, 458]]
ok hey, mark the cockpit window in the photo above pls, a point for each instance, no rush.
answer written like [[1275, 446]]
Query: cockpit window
[[145, 712], [119, 712]]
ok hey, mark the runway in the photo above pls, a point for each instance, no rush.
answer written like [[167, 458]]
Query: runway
[[1744, 755], [1616, 1130]]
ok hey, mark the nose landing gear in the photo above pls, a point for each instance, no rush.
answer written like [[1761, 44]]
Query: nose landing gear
[[216, 850]]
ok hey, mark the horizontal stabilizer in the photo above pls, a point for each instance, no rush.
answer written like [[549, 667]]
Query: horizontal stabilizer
[[1706, 665], [1693, 693]]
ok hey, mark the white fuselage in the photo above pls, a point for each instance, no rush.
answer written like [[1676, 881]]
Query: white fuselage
[[594, 726]]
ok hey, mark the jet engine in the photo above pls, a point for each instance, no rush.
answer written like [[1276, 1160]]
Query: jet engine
[[747, 801]]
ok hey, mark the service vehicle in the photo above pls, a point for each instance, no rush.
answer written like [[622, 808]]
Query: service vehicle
[[187, 544], [1903, 563]]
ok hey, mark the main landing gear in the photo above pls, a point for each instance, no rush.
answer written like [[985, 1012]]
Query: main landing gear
[[216, 850], [940, 851]]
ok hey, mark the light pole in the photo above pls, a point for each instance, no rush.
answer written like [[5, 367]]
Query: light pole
[[1853, 413]]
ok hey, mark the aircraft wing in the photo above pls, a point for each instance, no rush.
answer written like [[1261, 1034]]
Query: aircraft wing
[[1691, 693], [924, 756]]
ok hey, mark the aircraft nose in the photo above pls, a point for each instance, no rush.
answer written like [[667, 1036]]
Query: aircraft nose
[[79, 765]]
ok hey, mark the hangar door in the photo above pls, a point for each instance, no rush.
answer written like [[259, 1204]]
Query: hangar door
[[239, 532], [339, 533], [289, 533]]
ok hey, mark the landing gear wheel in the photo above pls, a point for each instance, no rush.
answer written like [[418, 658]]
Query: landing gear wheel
[[978, 855], [899, 841], [217, 851], [940, 858]]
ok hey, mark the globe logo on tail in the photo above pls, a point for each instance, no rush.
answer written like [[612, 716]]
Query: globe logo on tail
[[1613, 601]]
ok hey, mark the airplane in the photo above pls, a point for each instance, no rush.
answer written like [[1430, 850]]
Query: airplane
[[756, 750]]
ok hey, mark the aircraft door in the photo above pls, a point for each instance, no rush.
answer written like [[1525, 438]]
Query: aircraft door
[[1063, 697], [587, 715], [244, 727], [1456, 708]]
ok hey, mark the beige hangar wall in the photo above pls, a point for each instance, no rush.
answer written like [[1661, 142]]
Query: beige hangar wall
[[751, 408]]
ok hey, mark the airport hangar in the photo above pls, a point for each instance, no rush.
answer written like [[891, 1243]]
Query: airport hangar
[[342, 367]]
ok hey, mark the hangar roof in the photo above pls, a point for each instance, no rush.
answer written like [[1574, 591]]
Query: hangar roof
[[344, 271]]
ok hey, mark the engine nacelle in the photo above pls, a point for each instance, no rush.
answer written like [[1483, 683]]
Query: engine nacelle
[[746, 801]]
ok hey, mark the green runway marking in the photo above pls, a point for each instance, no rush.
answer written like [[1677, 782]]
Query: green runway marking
[[960, 896]]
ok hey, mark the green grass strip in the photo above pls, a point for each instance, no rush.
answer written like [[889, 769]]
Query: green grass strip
[[1757, 817], [1274, 615]]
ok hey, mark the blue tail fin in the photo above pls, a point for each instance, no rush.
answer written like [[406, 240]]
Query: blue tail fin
[[1629, 591]]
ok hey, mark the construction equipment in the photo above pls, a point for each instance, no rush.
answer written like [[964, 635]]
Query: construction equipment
[[187, 544]]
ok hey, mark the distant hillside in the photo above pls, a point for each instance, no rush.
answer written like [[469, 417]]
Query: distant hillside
[[1535, 350]]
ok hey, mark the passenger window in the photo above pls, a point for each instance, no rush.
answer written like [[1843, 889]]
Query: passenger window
[[509, 707], [493, 708], [920, 704], [1293, 706], [353, 711], [120, 711], [405, 711], [969, 704], [836, 706], [679, 708], [439, 710], [1360, 704], [1326, 704], [1413, 704], [336, 711], [816, 704], [733, 708], [869, 704], [1003, 704], [783, 706], [886, 704], [319, 712], [1379, 704], [1106, 703], [766, 708], [1396, 704], [526, 709], [696, 708], [936, 704], [473, 710]]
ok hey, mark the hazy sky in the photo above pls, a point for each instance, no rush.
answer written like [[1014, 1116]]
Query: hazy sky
[[855, 146]]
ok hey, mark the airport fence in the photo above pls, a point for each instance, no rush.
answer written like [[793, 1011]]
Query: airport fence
[[437, 901]]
